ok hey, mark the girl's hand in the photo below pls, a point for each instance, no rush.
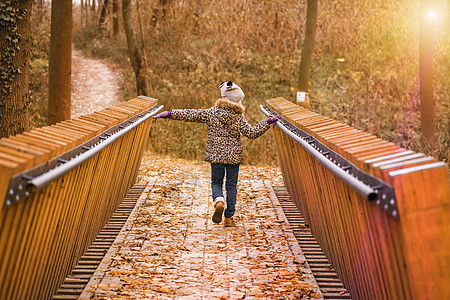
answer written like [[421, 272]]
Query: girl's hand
[[164, 114], [272, 120]]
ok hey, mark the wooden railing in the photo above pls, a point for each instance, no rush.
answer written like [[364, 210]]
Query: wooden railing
[[395, 248], [44, 232]]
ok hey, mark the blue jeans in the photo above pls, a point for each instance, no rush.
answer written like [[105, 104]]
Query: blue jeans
[[217, 174]]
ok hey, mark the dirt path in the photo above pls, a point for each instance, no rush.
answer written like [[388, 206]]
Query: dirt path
[[94, 85]]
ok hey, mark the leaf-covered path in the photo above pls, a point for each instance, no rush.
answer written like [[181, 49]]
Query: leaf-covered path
[[170, 249], [94, 85]]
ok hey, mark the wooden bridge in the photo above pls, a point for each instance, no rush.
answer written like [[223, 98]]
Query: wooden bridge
[[364, 218]]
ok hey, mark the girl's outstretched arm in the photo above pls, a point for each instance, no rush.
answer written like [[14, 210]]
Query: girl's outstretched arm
[[253, 132], [191, 115]]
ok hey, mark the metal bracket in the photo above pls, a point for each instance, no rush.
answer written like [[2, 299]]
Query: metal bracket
[[26, 183], [382, 193]]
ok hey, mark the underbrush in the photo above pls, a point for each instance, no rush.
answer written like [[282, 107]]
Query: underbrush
[[40, 48], [364, 73]]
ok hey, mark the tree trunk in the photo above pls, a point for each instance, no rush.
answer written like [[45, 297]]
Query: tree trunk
[[82, 5], [426, 48], [86, 12], [308, 46], [15, 42], [136, 57], [115, 8], [447, 23], [60, 62], [102, 18]]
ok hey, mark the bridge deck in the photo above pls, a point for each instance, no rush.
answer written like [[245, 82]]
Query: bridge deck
[[170, 248]]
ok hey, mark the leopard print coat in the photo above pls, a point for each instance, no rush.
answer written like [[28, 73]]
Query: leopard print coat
[[226, 123]]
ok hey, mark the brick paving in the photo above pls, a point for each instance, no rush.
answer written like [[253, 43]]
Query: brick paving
[[170, 249]]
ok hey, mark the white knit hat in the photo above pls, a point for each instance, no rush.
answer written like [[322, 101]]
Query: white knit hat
[[231, 91]]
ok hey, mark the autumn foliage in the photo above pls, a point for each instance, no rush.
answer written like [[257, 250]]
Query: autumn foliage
[[364, 72]]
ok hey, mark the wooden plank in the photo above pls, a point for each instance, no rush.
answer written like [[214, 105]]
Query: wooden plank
[[62, 132], [127, 111], [423, 197], [41, 154], [29, 159], [34, 248], [21, 162], [99, 119], [66, 143], [84, 134], [120, 116], [82, 126], [7, 169], [383, 171], [54, 149], [12, 230], [386, 152], [88, 125]]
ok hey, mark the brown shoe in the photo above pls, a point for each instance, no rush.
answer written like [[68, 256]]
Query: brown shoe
[[218, 211], [229, 222]]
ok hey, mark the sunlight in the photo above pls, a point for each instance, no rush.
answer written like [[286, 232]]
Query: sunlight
[[432, 15]]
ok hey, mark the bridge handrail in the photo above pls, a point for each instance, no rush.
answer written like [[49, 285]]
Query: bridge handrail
[[48, 177], [376, 256], [363, 189], [44, 235]]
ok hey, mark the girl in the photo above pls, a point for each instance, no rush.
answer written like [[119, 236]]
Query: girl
[[226, 124]]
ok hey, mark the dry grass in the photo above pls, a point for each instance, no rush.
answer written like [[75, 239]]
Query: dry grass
[[364, 73]]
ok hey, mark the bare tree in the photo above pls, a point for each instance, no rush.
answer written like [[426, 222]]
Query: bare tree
[[85, 12], [115, 11], [60, 62], [103, 13], [82, 13], [15, 22], [308, 46], [137, 60]]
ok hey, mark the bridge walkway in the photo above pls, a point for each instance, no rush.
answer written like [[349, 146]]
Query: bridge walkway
[[169, 246]]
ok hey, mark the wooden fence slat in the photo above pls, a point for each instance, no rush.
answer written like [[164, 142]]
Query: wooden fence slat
[[425, 227], [50, 148]]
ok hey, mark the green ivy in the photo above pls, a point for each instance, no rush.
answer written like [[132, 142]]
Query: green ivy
[[9, 17]]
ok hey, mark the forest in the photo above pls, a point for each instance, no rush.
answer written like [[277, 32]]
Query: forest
[[365, 66]]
